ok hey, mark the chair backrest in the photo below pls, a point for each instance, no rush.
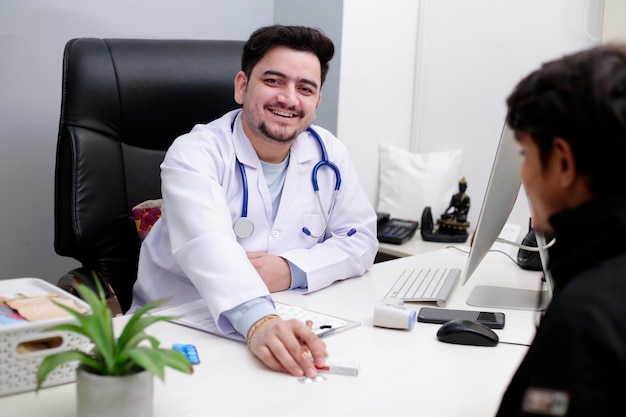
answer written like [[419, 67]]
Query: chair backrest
[[123, 103]]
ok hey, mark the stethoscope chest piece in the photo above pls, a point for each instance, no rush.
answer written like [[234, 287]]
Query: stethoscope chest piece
[[243, 227]]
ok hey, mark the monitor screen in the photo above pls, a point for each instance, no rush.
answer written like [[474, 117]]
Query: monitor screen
[[502, 190]]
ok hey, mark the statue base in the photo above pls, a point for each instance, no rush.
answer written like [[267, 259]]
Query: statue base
[[444, 237], [447, 231]]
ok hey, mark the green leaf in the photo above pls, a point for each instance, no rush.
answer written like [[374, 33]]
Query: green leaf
[[176, 360], [74, 328], [155, 360], [99, 323], [51, 362], [149, 359], [139, 321], [138, 338], [128, 339]]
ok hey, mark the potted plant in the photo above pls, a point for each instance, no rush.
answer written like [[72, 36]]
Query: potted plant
[[122, 367]]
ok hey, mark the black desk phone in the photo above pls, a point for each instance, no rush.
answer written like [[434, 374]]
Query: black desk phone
[[396, 231]]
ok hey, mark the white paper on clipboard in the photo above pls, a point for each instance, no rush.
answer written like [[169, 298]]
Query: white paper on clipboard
[[195, 314]]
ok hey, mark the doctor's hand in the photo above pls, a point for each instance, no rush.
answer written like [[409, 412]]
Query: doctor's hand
[[273, 269], [284, 345]]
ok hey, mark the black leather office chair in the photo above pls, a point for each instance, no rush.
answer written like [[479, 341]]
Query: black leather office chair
[[124, 101]]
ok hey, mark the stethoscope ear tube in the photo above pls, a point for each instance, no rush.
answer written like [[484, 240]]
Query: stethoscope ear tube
[[243, 226], [332, 166], [244, 181]]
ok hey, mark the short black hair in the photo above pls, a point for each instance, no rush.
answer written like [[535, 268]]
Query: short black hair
[[300, 38], [581, 98]]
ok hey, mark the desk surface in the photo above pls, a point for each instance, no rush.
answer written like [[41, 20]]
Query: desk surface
[[400, 370]]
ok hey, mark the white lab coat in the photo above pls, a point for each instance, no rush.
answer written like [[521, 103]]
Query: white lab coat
[[192, 250]]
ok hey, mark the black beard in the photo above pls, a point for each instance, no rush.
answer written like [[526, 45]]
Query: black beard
[[281, 140]]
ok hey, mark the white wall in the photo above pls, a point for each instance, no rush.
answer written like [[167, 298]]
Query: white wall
[[469, 55], [377, 80]]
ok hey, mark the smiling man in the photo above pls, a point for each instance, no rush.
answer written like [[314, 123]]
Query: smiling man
[[241, 217]]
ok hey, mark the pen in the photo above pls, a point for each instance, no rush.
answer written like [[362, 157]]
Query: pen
[[322, 331], [325, 330]]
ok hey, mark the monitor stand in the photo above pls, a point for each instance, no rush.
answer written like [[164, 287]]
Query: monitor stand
[[517, 298], [512, 298]]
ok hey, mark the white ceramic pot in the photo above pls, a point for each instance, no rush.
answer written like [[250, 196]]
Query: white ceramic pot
[[114, 396]]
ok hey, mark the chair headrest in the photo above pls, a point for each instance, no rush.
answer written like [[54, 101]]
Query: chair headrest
[[147, 92]]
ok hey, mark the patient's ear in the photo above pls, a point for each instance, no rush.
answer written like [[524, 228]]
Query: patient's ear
[[563, 156], [571, 182]]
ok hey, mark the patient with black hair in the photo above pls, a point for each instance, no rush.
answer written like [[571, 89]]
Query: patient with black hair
[[569, 118]]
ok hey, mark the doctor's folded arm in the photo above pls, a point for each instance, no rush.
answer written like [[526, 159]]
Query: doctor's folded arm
[[261, 200]]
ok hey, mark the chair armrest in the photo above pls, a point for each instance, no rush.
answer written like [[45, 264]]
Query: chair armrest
[[69, 281]]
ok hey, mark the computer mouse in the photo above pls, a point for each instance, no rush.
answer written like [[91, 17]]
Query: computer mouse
[[467, 332]]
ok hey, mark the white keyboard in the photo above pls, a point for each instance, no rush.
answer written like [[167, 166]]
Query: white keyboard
[[425, 284]]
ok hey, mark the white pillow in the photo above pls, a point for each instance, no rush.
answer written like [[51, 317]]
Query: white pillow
[[411, 181]]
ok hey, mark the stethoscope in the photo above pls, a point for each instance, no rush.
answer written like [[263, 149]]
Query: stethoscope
[[244, 227]]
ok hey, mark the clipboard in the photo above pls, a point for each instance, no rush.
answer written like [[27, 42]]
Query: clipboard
[[196, 314]]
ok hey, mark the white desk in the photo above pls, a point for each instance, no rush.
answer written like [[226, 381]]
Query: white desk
[[401, 371]]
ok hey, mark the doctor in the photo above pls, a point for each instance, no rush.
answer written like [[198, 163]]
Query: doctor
[[241, 217]]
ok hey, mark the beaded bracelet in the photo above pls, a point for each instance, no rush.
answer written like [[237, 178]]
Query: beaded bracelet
[[258, 324]]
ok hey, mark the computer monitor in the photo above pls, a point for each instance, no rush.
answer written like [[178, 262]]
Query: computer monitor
[[502, 190]]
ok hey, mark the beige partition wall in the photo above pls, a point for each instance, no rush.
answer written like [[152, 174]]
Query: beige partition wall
[[614, 21]]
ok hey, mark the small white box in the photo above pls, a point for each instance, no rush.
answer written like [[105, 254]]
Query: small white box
[[18, 369]]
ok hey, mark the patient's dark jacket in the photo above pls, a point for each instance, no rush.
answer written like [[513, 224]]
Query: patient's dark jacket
[[576, 365]]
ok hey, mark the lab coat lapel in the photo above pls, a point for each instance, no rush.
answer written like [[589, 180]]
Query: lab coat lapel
[[256, 183]]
